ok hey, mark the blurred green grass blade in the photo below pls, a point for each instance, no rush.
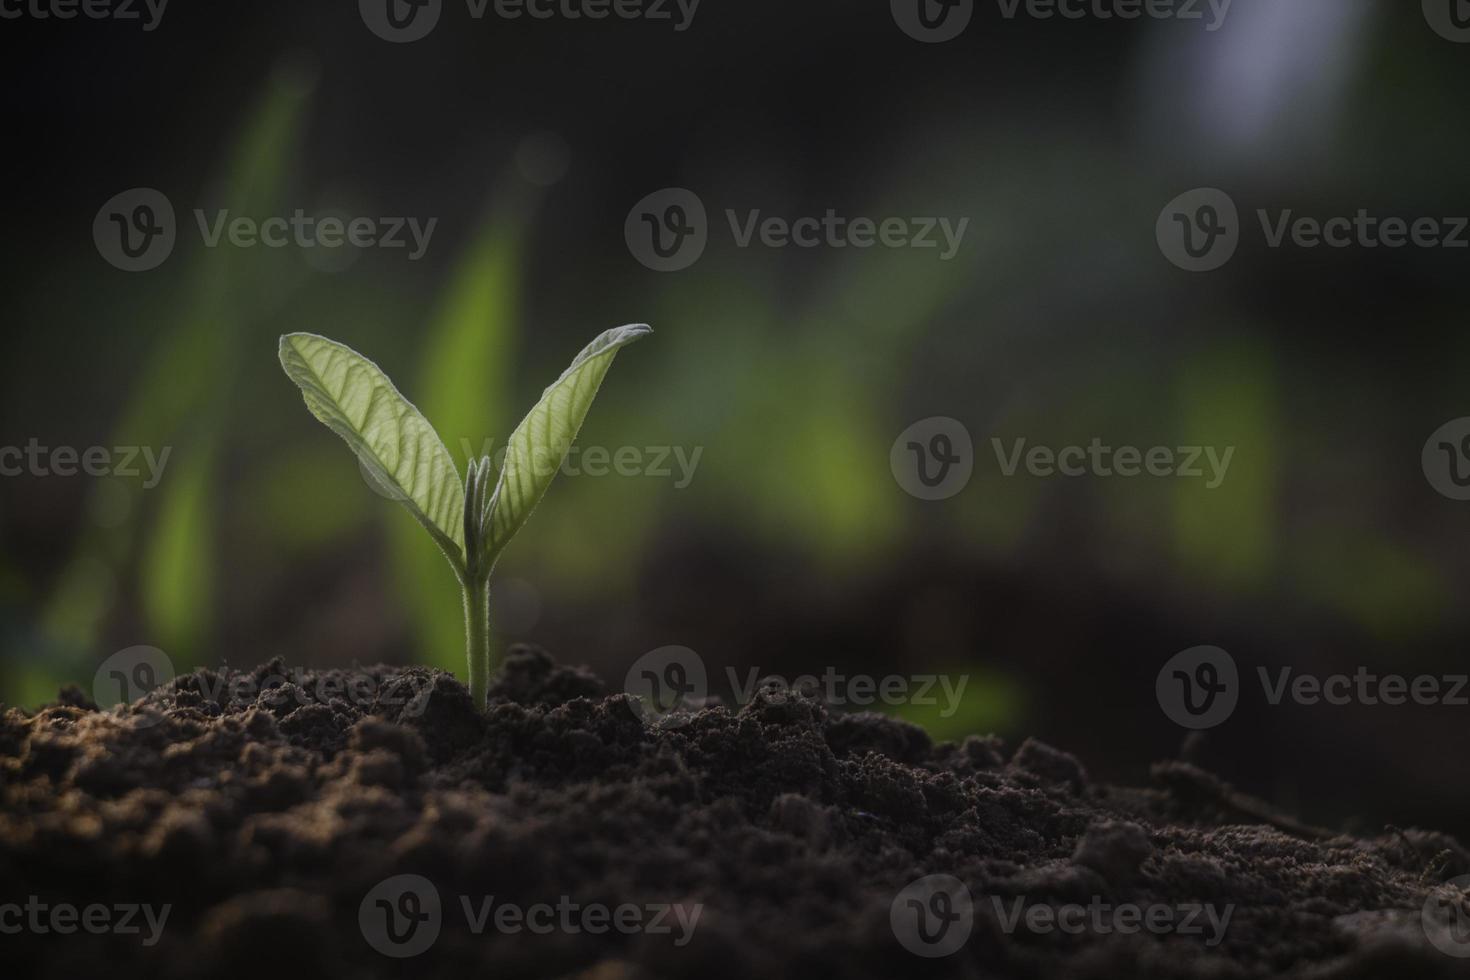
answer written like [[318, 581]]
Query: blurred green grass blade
[[178, 562], [466, 373], [1367, 578], [467, 378], [185, 383], [304, 501], [30, 684], [990, 702], [79, 604], [229, 286], [1228, 396]]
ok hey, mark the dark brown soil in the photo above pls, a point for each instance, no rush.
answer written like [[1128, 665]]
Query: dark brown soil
[[265, 823]]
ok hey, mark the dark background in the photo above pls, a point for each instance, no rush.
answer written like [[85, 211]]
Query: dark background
[[793, 548]]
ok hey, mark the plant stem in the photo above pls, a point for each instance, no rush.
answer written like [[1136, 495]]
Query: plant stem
[[477, 637]]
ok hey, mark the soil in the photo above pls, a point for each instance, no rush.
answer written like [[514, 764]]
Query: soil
[[265, 822]]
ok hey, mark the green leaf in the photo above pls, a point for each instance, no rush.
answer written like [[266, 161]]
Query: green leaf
[[540, 443], [394, 442]]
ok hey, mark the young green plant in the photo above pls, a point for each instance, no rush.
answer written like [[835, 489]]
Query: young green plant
[[400, 451]]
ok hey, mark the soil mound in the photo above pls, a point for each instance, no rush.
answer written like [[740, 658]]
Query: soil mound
[[386, 829]]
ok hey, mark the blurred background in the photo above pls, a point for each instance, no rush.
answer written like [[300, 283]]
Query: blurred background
[[792, 371]]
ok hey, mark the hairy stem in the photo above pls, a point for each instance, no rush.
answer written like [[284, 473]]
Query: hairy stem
[[477, 637]]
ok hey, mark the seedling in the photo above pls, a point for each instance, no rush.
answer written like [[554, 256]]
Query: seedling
[[400, 451]]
